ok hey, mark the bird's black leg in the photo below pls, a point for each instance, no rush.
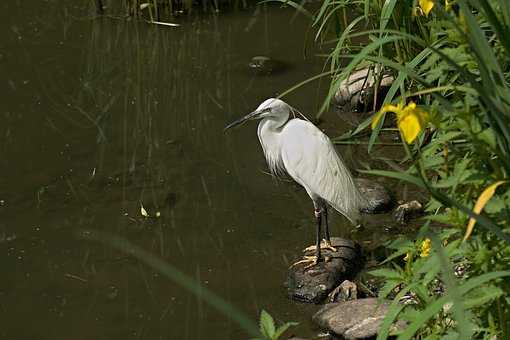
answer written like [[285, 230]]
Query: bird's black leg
[[326, 230], [326, 225], [318, 219]]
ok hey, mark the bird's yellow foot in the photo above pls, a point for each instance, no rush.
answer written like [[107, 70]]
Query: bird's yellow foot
[[324, 245], [312, 260]]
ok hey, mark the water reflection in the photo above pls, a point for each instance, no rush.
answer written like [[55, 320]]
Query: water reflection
[[104, 115]]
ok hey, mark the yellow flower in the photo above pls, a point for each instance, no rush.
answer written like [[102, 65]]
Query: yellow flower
[[411, 120], [425, 248], [426, 6]]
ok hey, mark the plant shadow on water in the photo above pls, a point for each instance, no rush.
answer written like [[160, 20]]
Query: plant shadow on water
[[102, 116]]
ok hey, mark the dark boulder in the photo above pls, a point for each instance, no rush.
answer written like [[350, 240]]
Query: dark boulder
[[379, 198], [406, 211], [313, 284]]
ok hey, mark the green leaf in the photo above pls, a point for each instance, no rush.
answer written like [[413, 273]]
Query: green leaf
[[266, 324], [389, 274], [489, 137], [386, 13], [393, 311], [434, 307], [479, 280], [409, 247], [482, 296], [388, 287], [397, 175]]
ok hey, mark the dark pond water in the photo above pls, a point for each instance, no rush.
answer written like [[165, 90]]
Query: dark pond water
[[100, 116]]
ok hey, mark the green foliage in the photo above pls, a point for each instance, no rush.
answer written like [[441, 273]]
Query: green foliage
[[268, 329], [422, 290], [455, 64]]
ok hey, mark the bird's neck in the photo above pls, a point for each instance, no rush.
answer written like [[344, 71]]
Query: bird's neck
[[269, 132]]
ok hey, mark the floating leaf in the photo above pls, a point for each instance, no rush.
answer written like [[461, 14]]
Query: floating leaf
[[171, 24], [143, 211], [485, 196]]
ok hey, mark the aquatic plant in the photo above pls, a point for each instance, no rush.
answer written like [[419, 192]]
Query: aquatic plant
[[451, 59], [157, 10], [268, 328]]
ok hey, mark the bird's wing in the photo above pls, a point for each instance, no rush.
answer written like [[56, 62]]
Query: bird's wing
[[311, 160]]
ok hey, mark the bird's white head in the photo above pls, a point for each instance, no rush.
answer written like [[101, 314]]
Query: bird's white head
[[274, 107], [270, 108]]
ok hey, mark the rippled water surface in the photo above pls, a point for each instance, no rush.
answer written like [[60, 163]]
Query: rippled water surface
[[102, 115]]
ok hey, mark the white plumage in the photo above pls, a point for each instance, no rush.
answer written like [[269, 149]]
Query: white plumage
[[300, 149]]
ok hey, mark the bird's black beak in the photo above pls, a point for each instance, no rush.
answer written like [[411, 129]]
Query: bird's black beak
[[241, 120]]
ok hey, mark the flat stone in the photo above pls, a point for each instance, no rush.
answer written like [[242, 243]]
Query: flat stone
[[355, 319], [379, 198], [313, 284]]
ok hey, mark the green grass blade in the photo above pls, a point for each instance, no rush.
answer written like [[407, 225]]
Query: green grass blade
[[393, 311], [437, 305], [304, 82], [452, 290], [501, 30], [424, 316], [357, 59], [396, 175], [173, 274], [386, 12], [504, 5]]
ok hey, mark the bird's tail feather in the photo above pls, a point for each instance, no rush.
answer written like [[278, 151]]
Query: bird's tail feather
[[347, 199]]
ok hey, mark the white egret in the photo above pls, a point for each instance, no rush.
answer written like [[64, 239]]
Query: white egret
[[306, 154]]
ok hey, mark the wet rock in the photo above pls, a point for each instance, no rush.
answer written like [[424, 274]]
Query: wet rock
[[262, 65], [356, 93], [356, 319], [313, 285], [404, 212], [378, 197], [345, 292]]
